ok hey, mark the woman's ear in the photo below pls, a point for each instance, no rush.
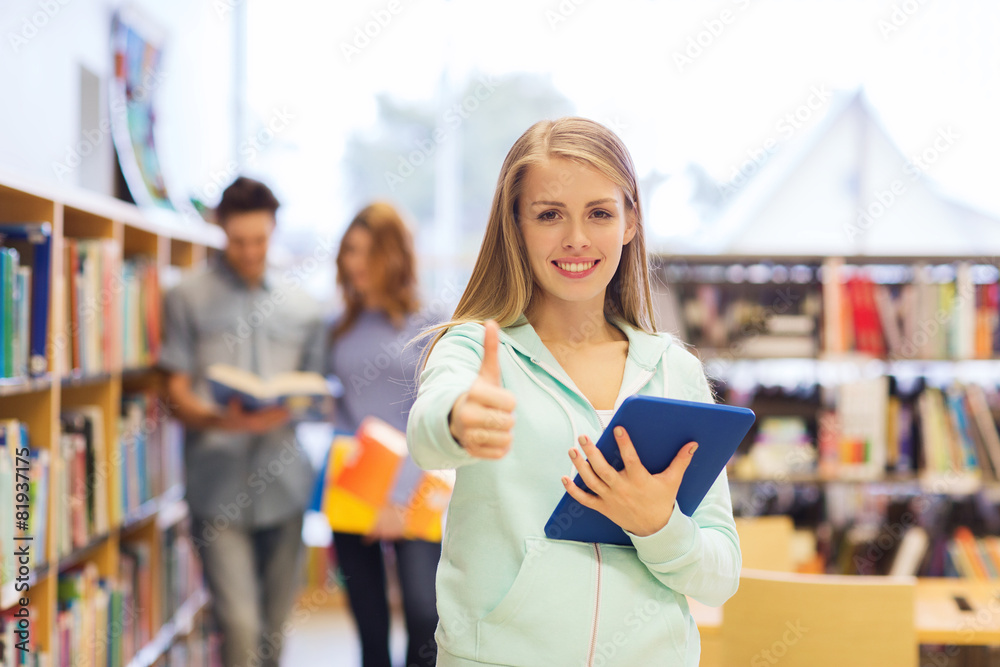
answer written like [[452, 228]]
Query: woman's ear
[[631, 226]]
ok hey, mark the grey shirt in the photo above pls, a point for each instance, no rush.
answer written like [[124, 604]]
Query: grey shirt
[[213, 316], [379, 374]]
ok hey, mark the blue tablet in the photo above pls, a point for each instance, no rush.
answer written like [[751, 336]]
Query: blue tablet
[[659, 428]]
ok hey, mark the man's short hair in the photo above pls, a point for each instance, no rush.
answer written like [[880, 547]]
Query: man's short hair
[[245, 195]]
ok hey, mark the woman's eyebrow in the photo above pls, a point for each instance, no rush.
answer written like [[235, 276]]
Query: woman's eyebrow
[[606, 200]]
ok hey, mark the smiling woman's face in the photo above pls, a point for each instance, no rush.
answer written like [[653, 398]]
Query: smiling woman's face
[[575, 223]]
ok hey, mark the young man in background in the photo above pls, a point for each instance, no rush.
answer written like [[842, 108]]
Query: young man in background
[[248, 480]]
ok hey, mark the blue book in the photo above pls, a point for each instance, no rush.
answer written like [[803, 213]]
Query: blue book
[[658, 428], [34, 240]]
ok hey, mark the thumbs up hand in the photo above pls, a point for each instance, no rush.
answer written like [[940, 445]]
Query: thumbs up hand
[[482, 419]]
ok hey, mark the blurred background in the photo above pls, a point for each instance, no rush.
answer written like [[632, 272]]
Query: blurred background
[[818, 182], [723, 105]]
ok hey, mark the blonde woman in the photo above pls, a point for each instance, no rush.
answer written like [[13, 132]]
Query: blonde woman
[[516, 406], [376, 272]]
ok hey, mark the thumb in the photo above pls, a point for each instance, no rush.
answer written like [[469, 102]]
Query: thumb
[[490, 370], [681, 462]]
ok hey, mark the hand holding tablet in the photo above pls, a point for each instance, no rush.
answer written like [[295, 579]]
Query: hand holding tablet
[[656, 432]]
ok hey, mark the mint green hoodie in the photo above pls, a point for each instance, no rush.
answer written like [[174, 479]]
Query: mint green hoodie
[[506, 594]]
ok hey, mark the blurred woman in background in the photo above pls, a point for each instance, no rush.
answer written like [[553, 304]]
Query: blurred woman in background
[[376, 273]]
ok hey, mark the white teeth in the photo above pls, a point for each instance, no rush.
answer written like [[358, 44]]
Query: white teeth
[[576, 267]]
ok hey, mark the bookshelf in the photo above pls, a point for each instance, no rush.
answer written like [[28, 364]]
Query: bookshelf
[[876, 381], [115, 574]]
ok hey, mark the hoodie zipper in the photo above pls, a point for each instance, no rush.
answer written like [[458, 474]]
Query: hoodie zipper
[[597, 610], [643, 379]]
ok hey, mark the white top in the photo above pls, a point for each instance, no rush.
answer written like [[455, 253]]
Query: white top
[[604, 416]]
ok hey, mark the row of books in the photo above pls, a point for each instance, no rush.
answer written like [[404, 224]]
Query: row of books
[[140, 313], [25, 256], [916, 553], [903, 311], [19, 650], [112, 308], [974, 557], [147, 452], [751, 320], [91, 270], [24, 479], [150, 451], [948, 437], [82, 481], [946, 312], [105, 621], [180, 569]]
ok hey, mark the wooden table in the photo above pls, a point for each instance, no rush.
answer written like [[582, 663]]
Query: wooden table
[[937, 616]]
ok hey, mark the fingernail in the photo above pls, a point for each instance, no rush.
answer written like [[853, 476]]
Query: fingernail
[[694, 448], [619, 430], [565, 481], [582, 440], [572, 453]]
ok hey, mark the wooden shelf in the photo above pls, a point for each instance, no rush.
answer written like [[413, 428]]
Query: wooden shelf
[[170, 242], [77, 379], [81, 554], [178, 626], [18, 386], [151, 508]]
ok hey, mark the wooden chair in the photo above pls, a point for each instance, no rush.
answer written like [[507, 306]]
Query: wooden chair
[[766, 542], [815, 620]]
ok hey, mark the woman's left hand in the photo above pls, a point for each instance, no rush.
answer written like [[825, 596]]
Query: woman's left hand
[[636, 500], [389, 525]]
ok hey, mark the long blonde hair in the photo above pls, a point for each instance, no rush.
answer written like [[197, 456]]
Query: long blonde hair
[[501, 286]]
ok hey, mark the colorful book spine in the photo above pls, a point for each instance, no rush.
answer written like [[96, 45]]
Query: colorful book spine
[[34, 241]]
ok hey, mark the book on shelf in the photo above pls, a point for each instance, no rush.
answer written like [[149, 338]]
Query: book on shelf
[[83, 599], [92, 267], [81, 485], [140, 313], [367, 472], [149, 453], [756, 313], [307, 396], [18, 641], [911, 553], [86, 425], [23, 477], [8, 564], [852, 439], [136, 581], [180, 569], [33, 244], [15, 313]]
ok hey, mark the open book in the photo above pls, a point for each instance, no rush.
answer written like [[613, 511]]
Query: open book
[[308, 396]]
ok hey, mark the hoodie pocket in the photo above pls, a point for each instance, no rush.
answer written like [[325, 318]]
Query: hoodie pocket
[[545, 617]]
